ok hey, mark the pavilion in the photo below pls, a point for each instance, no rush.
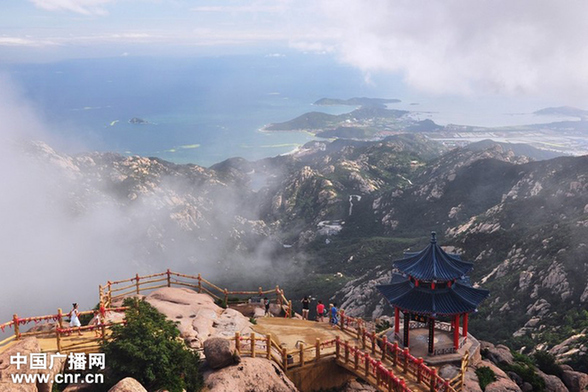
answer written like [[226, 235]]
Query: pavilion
[[432, 287]]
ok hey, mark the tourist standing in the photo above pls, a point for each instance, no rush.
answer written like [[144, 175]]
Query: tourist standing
[[266, 303], [334, 314], [74, 318], [320, 311], [305, 307]]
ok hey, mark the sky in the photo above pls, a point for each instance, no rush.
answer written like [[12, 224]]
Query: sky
[[523, 49]]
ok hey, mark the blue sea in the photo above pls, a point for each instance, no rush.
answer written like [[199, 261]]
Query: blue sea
[[200, 110], [204, 110]]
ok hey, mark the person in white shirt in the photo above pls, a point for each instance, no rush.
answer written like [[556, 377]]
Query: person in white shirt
[[74, 318]]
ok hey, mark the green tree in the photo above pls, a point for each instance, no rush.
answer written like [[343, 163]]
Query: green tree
[[547, 363], [149, 349], [485, 376]]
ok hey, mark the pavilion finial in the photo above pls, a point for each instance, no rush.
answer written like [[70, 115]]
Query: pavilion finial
[[433, 237]]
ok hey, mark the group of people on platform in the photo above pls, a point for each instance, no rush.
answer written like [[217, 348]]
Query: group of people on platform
[[321, 311], [332, 313]]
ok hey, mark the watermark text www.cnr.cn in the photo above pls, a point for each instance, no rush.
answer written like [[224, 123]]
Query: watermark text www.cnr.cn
[[44, 361]]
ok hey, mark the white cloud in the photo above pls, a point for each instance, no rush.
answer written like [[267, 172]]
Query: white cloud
[[522, 47], [312, 46], [85, 7], [18, 41], [244, 8]]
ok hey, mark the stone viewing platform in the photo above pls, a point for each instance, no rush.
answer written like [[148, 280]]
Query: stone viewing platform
[[304, 350]]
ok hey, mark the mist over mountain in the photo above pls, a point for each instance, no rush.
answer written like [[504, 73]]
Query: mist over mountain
[[326, 220]]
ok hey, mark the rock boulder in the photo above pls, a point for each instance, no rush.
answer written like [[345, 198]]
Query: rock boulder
[[218, 353], [25, 347], [356, 386], [497, 354], [127, 385], [503, 383], [472, 383], [575, 381], [552, 383], [251, 375], [198, 317]]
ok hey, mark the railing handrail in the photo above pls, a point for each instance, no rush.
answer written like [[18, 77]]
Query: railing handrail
[[195, 281], [356, 327]]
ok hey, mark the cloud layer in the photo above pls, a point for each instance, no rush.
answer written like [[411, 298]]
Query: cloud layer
[[466, 47], [85, 7]]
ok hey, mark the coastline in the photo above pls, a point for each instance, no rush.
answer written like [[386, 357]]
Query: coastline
[[306, 131]]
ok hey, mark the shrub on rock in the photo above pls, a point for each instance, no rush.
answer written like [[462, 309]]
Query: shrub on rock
[[147, 349]]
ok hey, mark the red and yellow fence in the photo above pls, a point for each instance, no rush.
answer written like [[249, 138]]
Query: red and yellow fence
[[389, 352], [374, 358], [116, 290], [59, 331]]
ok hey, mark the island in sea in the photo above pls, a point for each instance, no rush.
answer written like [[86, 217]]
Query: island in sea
[[566, 111], [373, 120], [137, 120]]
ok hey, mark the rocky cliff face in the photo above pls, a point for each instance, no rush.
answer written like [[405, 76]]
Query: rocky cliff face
[[521, 222], [336, 214]]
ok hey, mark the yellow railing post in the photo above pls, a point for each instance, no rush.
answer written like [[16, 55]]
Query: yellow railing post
[[363, 338], [100, 295], [278, 299], [268, 345], [226, 298], [317, 355], [301, 354], [285, 357], [420, 370], [57, 328], [356, 358], [395, 356], [337, 347], [290, 309], [16, 326], [238, 342], [199, 283], [252, 344], [109, 298], [137, 283], [103, 328], [405, 364], [168, 278]]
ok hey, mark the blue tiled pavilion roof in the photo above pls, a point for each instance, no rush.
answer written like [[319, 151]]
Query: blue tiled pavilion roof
[[433, 263], [457, 299]]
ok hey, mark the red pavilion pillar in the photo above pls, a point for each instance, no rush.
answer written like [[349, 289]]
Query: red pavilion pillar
[[456, 332], [465, 325], [396, 320]]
